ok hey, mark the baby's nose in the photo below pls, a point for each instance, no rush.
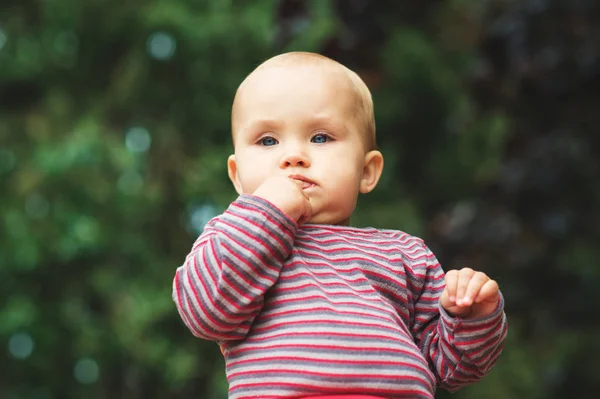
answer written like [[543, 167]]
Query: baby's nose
[[295, 158]]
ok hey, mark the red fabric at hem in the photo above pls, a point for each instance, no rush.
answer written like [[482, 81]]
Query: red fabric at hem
[[344, 397]]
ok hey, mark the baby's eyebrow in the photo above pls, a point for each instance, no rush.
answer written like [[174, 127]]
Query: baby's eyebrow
[[327, 122], [321, 119], [261, 124]]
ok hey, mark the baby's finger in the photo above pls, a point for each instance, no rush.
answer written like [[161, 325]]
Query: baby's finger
[[297, 182], [451, 281], [477, 281], [304, 194], [307, 210], [488, 292], [464, 277]]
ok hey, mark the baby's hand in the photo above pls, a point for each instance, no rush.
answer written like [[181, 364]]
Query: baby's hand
[[469, 294], [287, 195]]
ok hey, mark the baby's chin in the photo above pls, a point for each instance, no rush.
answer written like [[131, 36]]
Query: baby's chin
[[330, 220]]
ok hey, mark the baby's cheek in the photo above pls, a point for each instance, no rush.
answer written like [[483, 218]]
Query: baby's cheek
[[251, 182], [344, 193]]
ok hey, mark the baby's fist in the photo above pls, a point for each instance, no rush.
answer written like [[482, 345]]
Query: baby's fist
[[469, 294], [287, 195]]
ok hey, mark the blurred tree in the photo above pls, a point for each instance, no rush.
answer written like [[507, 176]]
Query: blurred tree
[[114, 130]]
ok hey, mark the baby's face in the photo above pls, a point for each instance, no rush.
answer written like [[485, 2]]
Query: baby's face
[[299, 121]]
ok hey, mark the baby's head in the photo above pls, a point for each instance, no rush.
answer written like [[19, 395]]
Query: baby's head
[[305, 115]]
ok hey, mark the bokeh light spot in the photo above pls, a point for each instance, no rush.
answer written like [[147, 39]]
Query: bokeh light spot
[[20, 345], [85, 230], [138, 139], [161, 46], [86, 371]]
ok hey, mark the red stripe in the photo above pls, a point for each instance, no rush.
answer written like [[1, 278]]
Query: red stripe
[[300, 359], [340, 323], [320, 288], [270, 337], [381, 378], [340, 346], [273, 314], [288, 277], [274, 302], [468, 327]]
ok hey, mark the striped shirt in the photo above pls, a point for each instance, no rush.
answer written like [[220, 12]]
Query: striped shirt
[[323, 310]]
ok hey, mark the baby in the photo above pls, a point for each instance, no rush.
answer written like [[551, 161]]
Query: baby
[[302, 304]]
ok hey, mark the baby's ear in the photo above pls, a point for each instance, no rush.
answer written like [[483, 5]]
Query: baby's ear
[[233, 174], [372, 171]]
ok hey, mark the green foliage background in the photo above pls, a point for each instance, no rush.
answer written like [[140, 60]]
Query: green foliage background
[[114, 130]]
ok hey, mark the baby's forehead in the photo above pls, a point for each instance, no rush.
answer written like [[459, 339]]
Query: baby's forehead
[[293, 68], [309, 67]]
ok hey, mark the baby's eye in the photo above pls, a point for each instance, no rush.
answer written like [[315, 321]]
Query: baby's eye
[[268, 141], [320, 138]]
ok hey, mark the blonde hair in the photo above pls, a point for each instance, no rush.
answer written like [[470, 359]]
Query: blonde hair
[[363, 100]]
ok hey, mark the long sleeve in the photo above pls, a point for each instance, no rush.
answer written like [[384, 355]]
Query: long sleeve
[[219, 289], [459, 351]]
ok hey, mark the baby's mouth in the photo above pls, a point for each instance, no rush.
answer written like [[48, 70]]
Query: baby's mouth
[[304, 184], [304, 181]]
